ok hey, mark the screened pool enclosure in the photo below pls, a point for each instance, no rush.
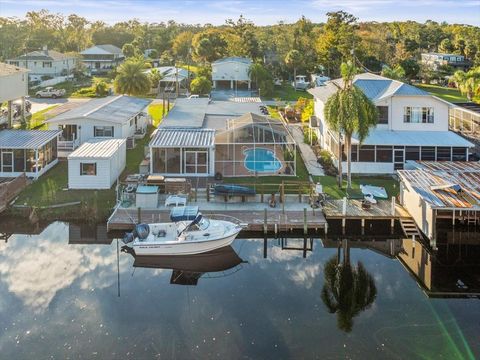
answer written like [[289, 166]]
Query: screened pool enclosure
[[255, 145]]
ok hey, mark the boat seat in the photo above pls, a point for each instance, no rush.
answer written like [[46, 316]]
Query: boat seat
[[159, 233]]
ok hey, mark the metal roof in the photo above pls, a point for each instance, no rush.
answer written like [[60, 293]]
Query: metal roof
[[186, 113], [51, 55], [97, 149], [449, 166], [375, 87], [26, 139], [233, 59], [444, 189], [183, 138], [414, 138], [116, 109], [105, 49]]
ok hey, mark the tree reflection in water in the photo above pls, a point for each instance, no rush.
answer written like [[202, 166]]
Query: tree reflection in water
[[348, 290]]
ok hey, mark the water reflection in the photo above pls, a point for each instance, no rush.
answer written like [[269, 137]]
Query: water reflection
[[188, 269], [58, 296], [348, 289]]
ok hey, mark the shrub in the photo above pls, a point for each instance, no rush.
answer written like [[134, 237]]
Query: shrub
[[307, 133], [201, 85], [326, 160]]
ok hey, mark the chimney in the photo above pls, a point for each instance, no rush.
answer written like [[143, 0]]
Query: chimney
[[45, 49]]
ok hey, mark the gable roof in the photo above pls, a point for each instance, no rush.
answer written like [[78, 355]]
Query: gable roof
[[233, 59], [174, 138], [115, 109], [97, 149], [50, 55], [102, 50], [7, 69], [375, 87]]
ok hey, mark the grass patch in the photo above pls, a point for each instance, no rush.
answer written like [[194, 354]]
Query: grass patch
[[288, 93], [156, 112], [330, 186], [136, 155], [38, 119], [445, 93]]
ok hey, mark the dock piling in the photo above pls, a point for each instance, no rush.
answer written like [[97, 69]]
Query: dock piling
[[139, 215], [265, 227], [305, 227]]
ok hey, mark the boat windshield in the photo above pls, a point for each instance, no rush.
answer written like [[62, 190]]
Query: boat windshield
[[203, 224]]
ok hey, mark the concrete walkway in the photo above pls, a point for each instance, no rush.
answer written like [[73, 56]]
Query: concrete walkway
[[308, 156]]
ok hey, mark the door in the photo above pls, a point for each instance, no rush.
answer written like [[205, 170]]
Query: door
[[7, 161], [398, 159], [196, 162]]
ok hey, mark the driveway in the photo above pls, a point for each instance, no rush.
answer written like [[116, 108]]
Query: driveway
[[41, 104]]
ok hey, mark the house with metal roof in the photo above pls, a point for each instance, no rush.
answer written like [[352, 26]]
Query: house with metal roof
[[46, 62], [231, 73], [435, 192], [412, 125], [96, 164], [200, 137], [119, 117], [102, 58], [32, 152]]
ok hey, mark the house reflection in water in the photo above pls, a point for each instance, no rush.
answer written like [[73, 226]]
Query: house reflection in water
[[88, 234], [451, 271]]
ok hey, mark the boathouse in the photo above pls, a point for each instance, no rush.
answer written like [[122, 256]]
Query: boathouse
[[441, 191], [32, 152], [96, 164]]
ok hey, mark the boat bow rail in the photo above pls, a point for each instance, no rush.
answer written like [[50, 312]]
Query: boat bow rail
[[229, 218]]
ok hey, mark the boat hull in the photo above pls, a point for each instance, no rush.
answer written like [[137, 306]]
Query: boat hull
[[183, 248]]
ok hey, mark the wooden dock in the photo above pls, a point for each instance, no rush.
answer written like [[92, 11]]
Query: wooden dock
[[351, 209], [266, 220]]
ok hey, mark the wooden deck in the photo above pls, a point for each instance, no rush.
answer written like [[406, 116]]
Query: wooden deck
[[334, 209], [254, 220]]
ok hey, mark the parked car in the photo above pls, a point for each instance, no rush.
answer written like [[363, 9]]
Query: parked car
[[50, 92]]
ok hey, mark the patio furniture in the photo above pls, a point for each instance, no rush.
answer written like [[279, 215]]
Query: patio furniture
[[176, 200]]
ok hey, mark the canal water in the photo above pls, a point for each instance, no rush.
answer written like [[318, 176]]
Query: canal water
[[68, 291]]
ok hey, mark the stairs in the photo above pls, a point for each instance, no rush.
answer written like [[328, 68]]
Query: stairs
[[409, 228]]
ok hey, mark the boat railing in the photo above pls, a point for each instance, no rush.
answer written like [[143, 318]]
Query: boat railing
[[224, 217]]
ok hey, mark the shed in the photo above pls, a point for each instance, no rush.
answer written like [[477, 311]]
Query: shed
[[147, 197], [96, 164], [32, 152]]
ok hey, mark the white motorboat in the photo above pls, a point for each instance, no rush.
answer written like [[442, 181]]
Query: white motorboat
[[188, 233]]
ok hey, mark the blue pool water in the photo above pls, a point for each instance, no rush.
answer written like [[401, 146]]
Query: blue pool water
[[261, 160]]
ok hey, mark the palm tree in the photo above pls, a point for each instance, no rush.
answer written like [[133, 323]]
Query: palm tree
[[256, 72], [468, 82], [131, 78], [293, 59], [349, 111], [348, 290]]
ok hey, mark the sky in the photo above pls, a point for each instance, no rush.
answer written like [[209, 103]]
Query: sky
[[261, 12]]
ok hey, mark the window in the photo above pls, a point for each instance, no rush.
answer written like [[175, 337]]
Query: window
[[47, 64], [366, 153], [384, 153], [354, 153], [428, 153], [88, 169], [459, 154], [103, 131], [382, 114], [444, 153], [412, 153], [418, 114]]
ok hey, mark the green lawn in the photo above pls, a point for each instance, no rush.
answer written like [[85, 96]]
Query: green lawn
[[445, 93], [330, 186], [286, 92], [37, 120], [51, 189], [156, 112]]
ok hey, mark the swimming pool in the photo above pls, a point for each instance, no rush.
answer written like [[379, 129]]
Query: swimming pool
[[261, 160]]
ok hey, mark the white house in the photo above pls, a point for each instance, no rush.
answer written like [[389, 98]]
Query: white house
[[96, 164], [102, 58], [32, 152], [435, 60], [46, 62], [412, 125], [13, 85], [231, 73], [119, 117]]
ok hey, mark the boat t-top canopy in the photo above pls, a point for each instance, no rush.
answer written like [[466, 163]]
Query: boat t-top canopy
[[184, 213]]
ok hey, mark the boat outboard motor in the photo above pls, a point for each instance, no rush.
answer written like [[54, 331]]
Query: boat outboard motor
[[142, 231], [128, 238]]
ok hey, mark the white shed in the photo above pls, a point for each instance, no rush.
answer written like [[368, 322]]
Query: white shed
[[96, 164], [231, 72]]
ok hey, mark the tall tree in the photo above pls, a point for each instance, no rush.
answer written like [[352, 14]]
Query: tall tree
[[294, 60], [468, 82], [349, 111], [131, 78], [182, 45]]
